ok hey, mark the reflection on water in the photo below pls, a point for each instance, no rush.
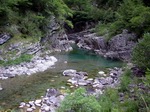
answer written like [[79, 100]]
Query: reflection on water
[[25, 88]]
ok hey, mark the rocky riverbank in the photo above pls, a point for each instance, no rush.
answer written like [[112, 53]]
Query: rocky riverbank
[[37, 64], [48, 103], [95, 86], [118, 47], [100, 82]]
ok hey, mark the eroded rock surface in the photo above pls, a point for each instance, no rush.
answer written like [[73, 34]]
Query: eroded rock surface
[[118, 47]]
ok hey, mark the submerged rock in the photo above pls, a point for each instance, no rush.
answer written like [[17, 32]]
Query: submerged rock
[[69, 72], [101, 72]]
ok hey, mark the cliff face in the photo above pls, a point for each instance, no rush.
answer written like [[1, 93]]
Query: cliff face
[[56, 38]]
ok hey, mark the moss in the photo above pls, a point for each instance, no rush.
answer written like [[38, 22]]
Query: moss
[[22, 58]]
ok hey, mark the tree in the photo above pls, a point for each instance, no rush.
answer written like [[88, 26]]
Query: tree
[[141, 53]]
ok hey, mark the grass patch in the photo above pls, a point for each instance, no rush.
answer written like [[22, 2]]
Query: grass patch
[[22, 58]]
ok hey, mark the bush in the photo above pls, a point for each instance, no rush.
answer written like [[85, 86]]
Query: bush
[[141, 53], [109, 100], [79, 102], [125, 81]]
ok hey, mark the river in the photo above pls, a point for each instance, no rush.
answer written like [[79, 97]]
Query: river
[[25, 88]]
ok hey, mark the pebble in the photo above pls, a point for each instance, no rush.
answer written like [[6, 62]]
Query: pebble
[[62, 87], [47, 108], [101, 72], [52, 80], [29, 109], [65, 61], [38, 101], [1, 88], [23, 103], [90, 79], [82, 83], [21, 106], [71, 86], [39, 105]]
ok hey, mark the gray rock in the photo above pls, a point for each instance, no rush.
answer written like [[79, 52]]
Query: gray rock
[[82, 83], [4, 38], [29, 109], [9, 75], [105, 81], [122, 45], [1, 88], [52, 92], [69, 72]]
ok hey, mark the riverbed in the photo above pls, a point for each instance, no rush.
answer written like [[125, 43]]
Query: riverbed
[[27, 88]]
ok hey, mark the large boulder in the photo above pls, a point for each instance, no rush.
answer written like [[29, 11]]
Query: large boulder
[[121, 46]]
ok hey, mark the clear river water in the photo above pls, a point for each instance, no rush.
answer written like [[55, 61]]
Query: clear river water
[[27, 88]]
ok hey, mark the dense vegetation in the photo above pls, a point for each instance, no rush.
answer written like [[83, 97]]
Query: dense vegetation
[[30, 17], [141, 54]]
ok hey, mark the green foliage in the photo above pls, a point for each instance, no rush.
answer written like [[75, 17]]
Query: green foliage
[[30, 24], [102, 29], [129, 105], [30, 16], [134, 16], [147, 78], [108, 100], [125, 81], [141, 52], [81, 9], [143, 95], [79, 102], [8, 110], [22, 58]]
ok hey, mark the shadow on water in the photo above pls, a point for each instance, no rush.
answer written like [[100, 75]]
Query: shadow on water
[[25, 88]]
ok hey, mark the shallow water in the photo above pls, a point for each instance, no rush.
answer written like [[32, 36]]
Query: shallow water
[[25, 88]]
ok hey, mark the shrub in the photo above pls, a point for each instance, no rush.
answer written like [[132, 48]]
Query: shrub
[[109, 100], [79, 102], [125, 81], [141, 53]]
